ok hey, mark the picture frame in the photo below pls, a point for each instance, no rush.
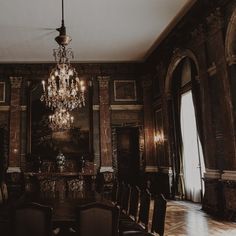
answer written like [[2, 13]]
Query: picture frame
[[2, 92], [125, 90]]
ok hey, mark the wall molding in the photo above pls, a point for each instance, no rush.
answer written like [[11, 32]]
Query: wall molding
[[106, 169], [7, 108], [212, 174], [121, 107], [166, 170], [229, 175], [151, 169], [13, 170]]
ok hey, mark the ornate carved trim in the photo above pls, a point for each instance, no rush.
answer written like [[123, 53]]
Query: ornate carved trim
[[103, 81], [212, 70], [16, 82], [147, 83], [198, 35], [212, 174], [215, 21], [229, 39], [229, 175], [178, 55]]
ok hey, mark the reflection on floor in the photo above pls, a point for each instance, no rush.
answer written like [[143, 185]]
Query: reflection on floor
[[185, 218]]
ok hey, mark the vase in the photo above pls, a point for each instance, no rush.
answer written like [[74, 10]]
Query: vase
[[61, 168]]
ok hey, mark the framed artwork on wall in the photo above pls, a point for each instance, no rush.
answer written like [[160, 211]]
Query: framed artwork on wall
[[2, 91], [125, 90]]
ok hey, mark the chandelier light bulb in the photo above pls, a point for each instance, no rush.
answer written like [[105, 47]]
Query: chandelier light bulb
[[61, 120], [64, 88]]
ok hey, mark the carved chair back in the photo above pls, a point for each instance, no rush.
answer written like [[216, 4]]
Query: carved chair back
[[134, 202], [126, 198], [97, 219], [114, 191], [159, 213], [31, 219], [4, 191], [144, 208]]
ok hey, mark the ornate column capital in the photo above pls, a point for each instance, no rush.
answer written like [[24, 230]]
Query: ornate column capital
[[16, 82], [215, 21], [199, 35], [103, 81], [147, 83]]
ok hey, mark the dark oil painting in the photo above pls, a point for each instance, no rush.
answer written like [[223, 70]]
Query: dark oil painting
[[73, 143]]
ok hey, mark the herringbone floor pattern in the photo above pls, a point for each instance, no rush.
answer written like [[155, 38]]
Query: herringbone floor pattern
[[185, 218]]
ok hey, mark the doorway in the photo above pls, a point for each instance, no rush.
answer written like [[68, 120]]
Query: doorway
[[192, 156], [128, 154]]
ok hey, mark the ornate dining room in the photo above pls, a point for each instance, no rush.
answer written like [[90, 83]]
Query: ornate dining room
[[117, 118]]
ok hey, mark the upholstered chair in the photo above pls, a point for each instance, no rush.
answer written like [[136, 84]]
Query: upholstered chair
[[31, 219], [97, 219]]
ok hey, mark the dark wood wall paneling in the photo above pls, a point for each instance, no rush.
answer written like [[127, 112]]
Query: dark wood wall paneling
[[203, 32]]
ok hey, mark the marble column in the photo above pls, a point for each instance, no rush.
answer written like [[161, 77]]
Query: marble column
[[105, 125], [15, 124], [150, 159]]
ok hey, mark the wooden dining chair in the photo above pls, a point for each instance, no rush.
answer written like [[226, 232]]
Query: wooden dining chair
[[4, 190], [142, 223], [31, 219], [132, 213], [97, 219], [114, 191], [1, 197], [159, 213], [47, 187], [126, 198]]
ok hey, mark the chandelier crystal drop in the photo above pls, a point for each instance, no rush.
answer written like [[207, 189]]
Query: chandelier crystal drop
[[63, 90], [61, 120]]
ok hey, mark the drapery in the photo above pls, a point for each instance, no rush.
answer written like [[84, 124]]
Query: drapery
[[193, 164]]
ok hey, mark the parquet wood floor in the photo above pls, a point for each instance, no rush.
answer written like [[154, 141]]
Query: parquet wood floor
[[186, 218]]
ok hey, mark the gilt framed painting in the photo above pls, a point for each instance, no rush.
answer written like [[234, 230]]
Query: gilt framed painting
[[125, 90]]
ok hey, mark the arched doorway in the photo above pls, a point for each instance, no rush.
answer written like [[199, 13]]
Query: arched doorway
[[184, 107]]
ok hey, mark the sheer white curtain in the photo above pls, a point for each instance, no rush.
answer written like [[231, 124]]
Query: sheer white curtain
[[193, 164]]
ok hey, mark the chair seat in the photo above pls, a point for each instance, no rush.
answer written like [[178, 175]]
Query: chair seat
[[136, 233], [129, 225]]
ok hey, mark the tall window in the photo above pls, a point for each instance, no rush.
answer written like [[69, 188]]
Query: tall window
[[193, 163]]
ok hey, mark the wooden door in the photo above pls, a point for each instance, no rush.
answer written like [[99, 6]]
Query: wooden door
[[128, 154]]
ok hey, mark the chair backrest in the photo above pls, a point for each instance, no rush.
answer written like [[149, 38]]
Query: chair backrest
[[75, 185], [134, 202], [31, 219], [47, 188], [120, 193], [76, 188], [47, 185], [144, 208], [1, 197], [97, 219], [126, 198], [4, 191], [114, 191], [159, 213]]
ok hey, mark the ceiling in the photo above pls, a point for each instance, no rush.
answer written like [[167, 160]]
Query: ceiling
[[101, 30]]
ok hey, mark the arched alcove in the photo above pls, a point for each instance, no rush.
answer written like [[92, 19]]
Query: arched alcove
[[174, 87]]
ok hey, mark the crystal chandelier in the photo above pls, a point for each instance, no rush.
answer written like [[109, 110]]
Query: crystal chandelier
[[63, 90], [61, 120]]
